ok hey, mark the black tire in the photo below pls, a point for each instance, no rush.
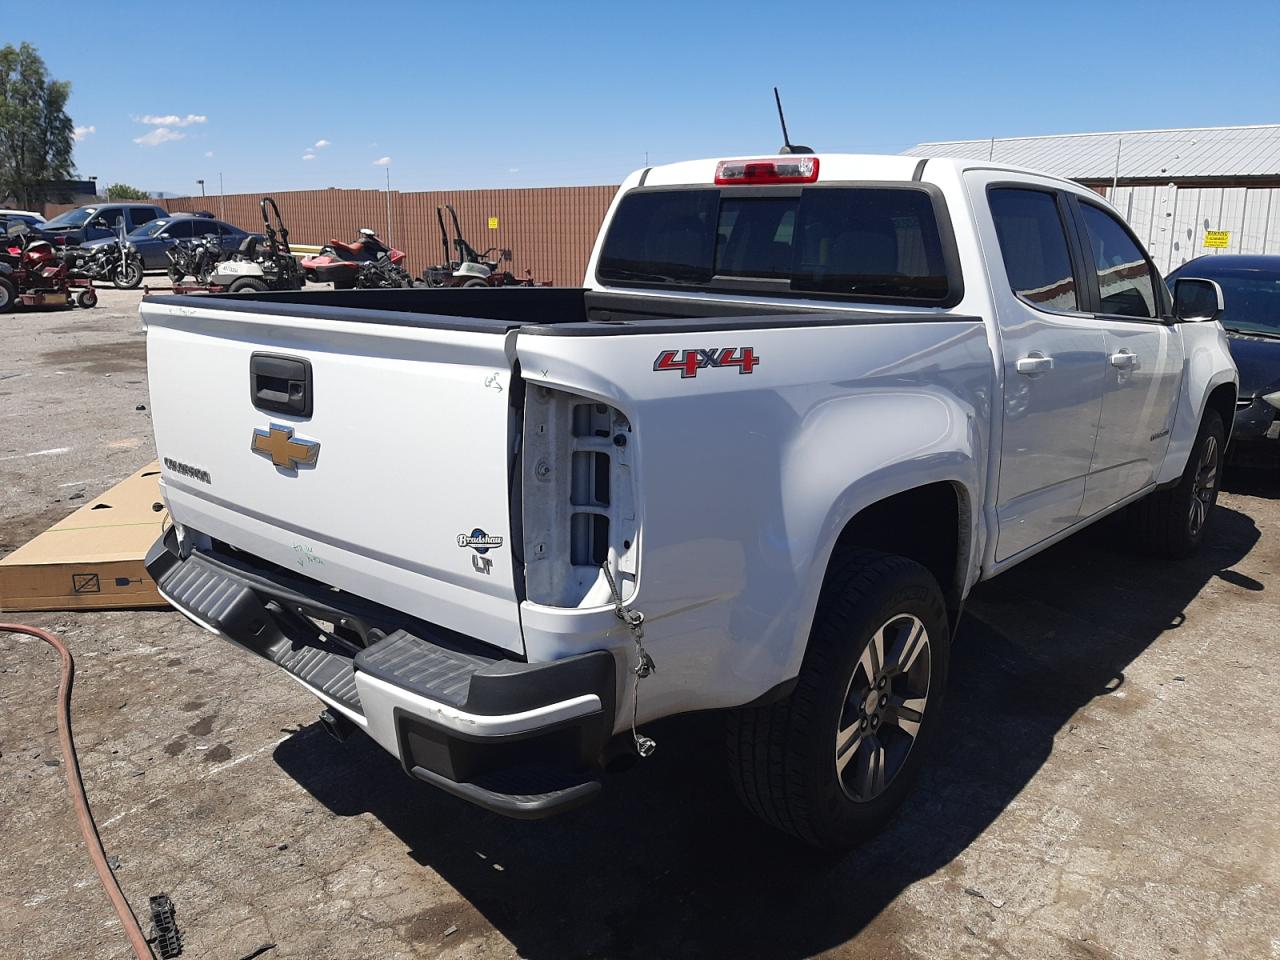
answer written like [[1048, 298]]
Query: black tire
[[247, 283], [177, 274], [475, 282], [1168, 522], [783, 756], [87, 298], [128, 277], [8, 295], [344, 283]]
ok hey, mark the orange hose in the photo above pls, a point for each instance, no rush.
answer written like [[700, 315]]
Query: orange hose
[[75, 786]]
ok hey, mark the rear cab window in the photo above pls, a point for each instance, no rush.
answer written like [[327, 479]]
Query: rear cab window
[[141, 215], [1034, 247], [880, 243]]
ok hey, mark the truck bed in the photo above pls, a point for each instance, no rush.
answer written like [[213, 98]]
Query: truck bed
[[566, 311]]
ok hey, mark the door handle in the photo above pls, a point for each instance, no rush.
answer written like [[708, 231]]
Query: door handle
[[1124, 359], [1028, 366]]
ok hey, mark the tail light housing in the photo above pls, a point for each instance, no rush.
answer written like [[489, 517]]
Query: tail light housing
[[578, 507]]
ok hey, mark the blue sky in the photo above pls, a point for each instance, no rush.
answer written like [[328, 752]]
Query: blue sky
[[461, 95]]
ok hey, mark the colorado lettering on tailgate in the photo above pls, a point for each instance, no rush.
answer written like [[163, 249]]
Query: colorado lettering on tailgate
[[689, 362]]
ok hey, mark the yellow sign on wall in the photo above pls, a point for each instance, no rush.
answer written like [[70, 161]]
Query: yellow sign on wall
[[493, 224], [1217, 238]]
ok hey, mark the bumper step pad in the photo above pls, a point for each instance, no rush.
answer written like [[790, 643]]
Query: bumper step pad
[[230, 605], [424, 668]]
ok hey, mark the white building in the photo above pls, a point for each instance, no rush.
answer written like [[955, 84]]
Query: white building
[[1180, 190]]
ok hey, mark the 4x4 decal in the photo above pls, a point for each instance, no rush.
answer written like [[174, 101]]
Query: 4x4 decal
[[689, 362]]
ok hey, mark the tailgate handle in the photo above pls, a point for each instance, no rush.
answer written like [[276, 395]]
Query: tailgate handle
[[280, 384]]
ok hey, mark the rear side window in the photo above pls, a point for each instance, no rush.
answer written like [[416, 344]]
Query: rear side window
[[1125, 284], [141, 215], [874, 243], [1033, 245]]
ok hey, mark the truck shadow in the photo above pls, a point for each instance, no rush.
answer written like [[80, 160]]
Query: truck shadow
[[666, 863]]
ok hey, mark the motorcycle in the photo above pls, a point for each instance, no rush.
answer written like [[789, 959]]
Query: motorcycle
[[261, 263], [341, 263], [194, 258], [116, 262], [33, 273]]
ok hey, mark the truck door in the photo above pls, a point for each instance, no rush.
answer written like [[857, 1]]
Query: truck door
[[1053, 359], [1144, 358]]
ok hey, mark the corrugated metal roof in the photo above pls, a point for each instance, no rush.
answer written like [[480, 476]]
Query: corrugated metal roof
[[1191, 152]]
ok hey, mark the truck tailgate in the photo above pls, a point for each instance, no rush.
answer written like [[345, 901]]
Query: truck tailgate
[[394, 486]]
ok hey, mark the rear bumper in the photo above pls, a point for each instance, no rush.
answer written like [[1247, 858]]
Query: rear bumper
[[521, 739]]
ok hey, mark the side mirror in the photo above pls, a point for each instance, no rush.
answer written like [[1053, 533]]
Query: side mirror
[[1196, 300]]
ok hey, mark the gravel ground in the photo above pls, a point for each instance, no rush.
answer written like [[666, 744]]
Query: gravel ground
[[1106, 785]]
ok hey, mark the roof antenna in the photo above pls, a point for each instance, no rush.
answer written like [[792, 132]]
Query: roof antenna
[[787, 145]]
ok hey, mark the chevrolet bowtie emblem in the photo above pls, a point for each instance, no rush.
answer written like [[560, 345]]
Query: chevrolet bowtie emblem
[[278, 444]]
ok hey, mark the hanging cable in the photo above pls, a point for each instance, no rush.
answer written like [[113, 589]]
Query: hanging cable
[[75, 786]]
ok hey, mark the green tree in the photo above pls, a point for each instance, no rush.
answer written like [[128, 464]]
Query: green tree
[[36, 134], [122, 191]]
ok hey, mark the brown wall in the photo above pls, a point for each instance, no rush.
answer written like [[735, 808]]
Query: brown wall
[[550, 230]]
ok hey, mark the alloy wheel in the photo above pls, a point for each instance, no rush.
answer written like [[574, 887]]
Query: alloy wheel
[[883, 707], [1204, 489]]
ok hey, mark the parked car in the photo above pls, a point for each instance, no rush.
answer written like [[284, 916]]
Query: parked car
[[755, 465], [1251, 286], [29, 217], [96, 221], [152, 239]]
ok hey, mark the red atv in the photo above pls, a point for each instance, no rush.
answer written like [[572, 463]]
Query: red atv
[[34, 273], [340, 263]]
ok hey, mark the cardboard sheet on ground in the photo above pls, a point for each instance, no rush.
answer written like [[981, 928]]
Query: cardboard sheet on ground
[[91, 560]]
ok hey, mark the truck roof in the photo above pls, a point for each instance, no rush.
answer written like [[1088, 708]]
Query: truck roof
[[834, 166]]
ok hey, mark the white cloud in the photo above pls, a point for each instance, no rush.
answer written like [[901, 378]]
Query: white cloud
[[321, 144], [513, 169], [308, 155], [158, 136], [208, 153], [172, 119], [81, 132], [382, 162]]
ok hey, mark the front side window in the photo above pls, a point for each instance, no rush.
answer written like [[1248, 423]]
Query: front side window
[[1033, 244], [877, 243], [1125, 284], [180, 229]]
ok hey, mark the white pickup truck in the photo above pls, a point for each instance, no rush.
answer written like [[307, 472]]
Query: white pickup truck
[[801, 406]]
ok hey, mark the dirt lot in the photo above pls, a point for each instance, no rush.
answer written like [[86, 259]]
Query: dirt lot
[[1107, 785]]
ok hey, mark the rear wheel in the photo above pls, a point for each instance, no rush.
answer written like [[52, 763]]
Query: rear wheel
[[247, 284], [128, 277], [8, 295], [1173, 522], [177, 274], [475, 282], [831, 762]]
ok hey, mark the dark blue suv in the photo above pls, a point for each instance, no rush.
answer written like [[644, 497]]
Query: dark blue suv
[[97, 221]]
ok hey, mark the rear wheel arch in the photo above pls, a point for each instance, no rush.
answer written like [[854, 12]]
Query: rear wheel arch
[[928, 524]]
